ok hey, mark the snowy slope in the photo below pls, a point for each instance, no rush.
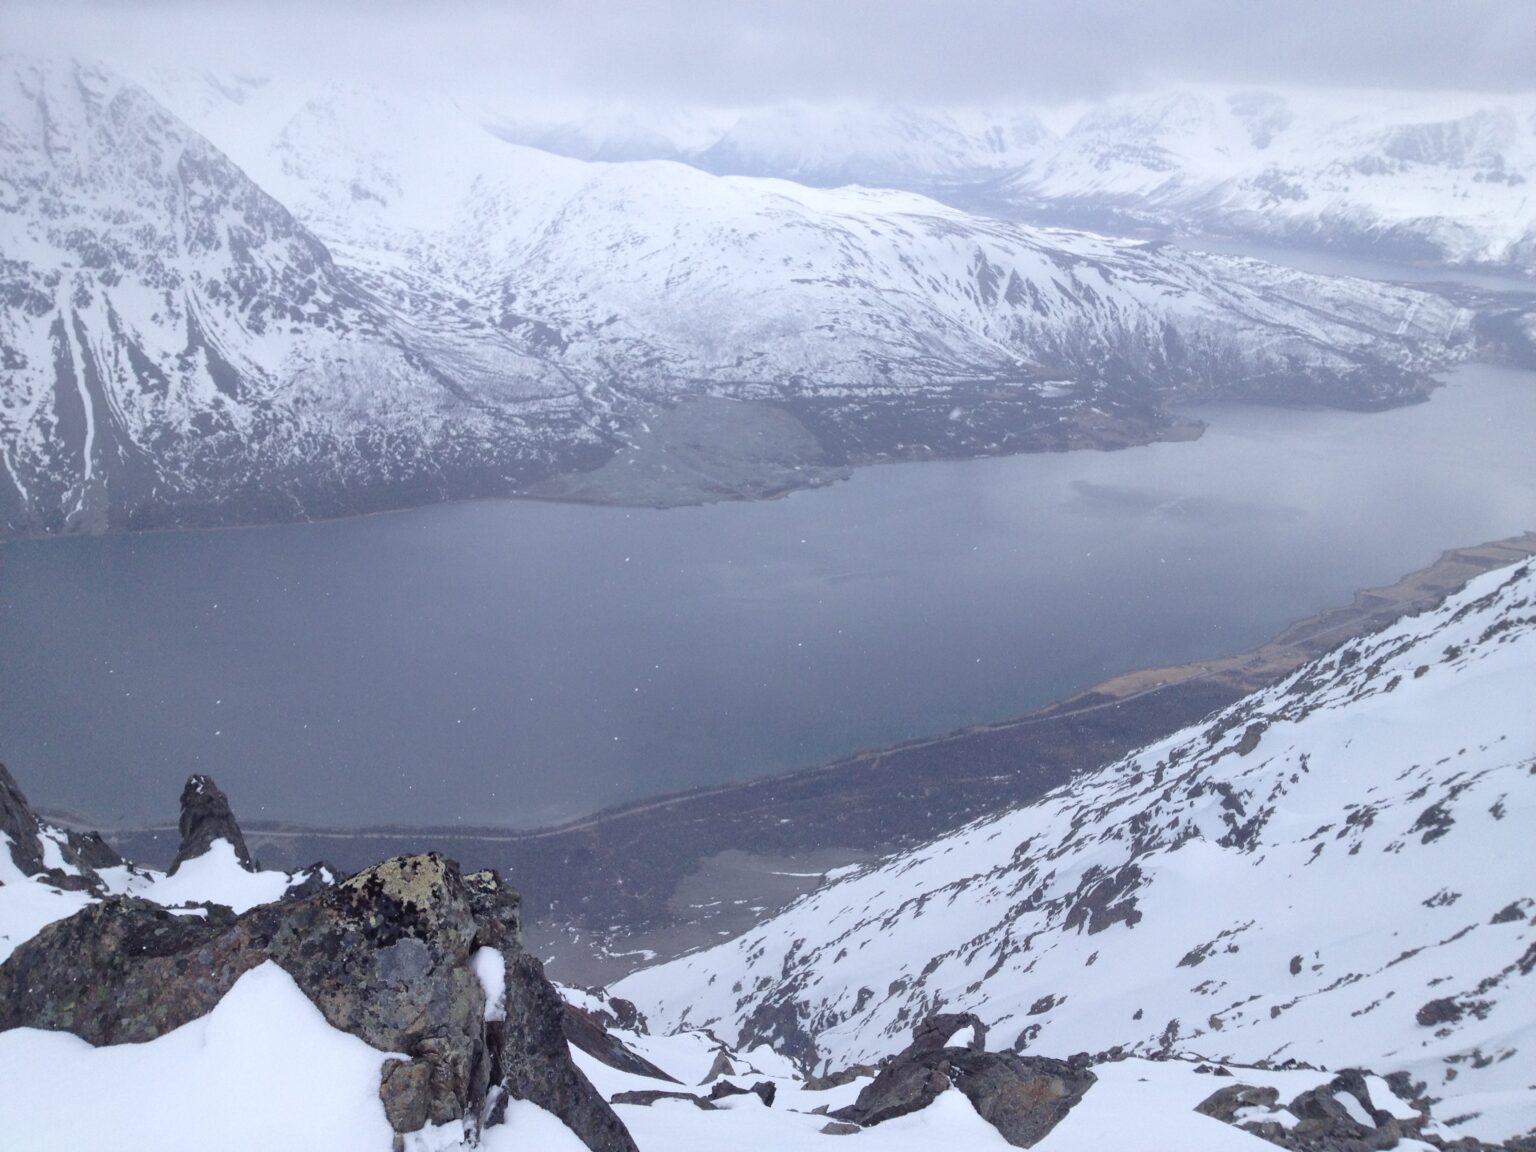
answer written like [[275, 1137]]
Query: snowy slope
[[667, 276], [1336, 870]]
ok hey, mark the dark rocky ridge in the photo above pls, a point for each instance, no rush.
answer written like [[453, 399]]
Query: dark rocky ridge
[[85, 851]]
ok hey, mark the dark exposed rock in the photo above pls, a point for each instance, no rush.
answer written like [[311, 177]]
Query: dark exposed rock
[[936, 1032], [1023, 1097], [627, 1016], [1436, 1012], [532, 1060], [384, 955], [206, 817], [764, 1090], [649, 1096], [842, 1076], [903, 1086], [839, 1128], [86, 852], [18, 822], [722, 1066], [1224, 1103], [589, 1033], [1317, 1120], [317, 877], [1514, 910]]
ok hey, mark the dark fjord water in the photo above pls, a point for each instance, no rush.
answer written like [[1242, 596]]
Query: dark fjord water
[[508, 662]]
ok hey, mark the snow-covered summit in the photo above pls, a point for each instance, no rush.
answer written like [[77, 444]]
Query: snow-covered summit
[[1336, 870]]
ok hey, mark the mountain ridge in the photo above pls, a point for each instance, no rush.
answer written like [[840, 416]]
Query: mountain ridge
[[429, 312]]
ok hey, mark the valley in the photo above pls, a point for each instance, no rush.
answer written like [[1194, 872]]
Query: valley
[[655, 879], [763, 575]]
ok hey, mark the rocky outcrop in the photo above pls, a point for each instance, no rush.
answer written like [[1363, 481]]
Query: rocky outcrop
[[1023, 1097], [82, 853], [531, 1060], [939, 1029], [644, 1098], [1328, 1118], [589, 1032], [764, 1090], [385, 956], [20, 825], [206, 817]]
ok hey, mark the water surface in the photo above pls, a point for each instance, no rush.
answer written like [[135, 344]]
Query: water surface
[[516, 662]]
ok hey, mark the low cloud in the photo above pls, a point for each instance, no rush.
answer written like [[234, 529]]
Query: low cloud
[[734, 52]]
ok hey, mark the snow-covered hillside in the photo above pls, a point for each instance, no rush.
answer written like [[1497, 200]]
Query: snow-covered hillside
[[176, 344], [1434, 177], [325, 300], [1337, 870]]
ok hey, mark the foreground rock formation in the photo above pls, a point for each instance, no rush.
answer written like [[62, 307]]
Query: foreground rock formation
[[412, 956], [1023, 1097]]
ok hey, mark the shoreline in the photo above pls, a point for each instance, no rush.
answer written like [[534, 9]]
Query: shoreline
[[1241, 672], [609, 892]]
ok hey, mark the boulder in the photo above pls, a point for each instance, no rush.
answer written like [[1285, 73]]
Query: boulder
[[649, 1096], [764, 1090], [721, 1066], [206, 817], [1318, 1120], [1023, 1097], [533, 1062]]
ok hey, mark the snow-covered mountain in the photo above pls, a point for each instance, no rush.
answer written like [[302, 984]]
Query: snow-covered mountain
[[327, 300], [176, 344], [1433, 177], [1442, 177], [1337, 870]]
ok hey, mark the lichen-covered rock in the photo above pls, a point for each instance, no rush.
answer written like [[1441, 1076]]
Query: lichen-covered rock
[[206, 817], [121, 972], [384, 955]]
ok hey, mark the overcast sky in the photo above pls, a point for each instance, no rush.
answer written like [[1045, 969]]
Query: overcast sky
[[736, 52]]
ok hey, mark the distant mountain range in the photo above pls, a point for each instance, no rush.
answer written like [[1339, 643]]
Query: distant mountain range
[[1438, 178], [288, 303]]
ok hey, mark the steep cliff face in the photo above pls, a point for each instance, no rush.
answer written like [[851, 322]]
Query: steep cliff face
[[1335, 870]]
